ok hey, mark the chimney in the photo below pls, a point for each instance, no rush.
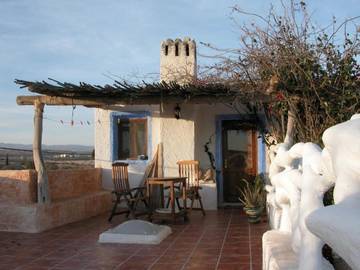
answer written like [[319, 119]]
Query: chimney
[[178, 61]]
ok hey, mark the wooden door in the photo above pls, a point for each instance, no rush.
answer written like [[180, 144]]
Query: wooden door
[[239, 156]]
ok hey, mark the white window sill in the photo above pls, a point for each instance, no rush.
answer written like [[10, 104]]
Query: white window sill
[[132, 161]]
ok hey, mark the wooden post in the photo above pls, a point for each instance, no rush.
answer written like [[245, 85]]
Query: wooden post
[[290, 129], [42, 178], [160, 164]]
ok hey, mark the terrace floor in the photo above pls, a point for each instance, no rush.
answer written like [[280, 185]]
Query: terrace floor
[[221, 240]]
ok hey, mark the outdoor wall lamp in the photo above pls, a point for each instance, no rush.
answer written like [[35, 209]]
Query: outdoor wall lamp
[[177, 111]]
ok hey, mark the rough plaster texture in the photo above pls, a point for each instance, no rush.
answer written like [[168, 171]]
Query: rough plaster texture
[[181, 67], [33, 218], [18, 186], [77, 194], [66, 184], [276, 252], [298, 186], [178, 138], [338, 225], [318, 170]]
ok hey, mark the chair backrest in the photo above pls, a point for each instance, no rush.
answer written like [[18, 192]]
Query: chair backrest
[[120, 176], [189, 169]]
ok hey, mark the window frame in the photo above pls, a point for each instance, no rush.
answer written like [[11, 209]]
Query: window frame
[[115, 117]]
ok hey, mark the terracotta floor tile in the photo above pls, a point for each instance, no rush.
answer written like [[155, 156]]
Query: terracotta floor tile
[[226, 266], [235, 260], [167, 266], [198, 244], [134, 266], [204, 259], [204, 252], [176, 260], [44, 263], [200, 266], [143, 259]]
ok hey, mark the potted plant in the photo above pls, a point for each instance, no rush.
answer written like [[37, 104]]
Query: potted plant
[[252, 196]]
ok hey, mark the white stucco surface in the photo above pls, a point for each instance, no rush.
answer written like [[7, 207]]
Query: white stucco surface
[[341, 233], [276, 252], [135, 232], [339, 224], [309, 224], [180, 67]]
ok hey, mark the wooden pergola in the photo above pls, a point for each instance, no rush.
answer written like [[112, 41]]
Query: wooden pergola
[[120, 93]]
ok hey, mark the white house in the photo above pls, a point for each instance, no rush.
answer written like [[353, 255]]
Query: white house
[[132, 133]]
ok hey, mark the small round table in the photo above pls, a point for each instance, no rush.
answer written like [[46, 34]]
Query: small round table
[[169, 181]]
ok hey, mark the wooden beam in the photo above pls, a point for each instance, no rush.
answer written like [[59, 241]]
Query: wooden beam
[[42, 178], [103, 102], [59, 101]]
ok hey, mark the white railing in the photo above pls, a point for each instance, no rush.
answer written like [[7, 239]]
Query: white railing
[[299, 176]]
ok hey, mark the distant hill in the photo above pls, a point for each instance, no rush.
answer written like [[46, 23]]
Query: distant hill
[[58, 148]]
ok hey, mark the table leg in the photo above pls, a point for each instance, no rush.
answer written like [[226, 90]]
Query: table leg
[[162, 196], [184, 199], [172, 201]]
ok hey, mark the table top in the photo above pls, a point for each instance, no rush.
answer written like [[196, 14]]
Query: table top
[[161, 180]]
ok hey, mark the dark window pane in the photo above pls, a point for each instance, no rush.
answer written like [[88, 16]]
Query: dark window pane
[[132, 138], [123, 139]]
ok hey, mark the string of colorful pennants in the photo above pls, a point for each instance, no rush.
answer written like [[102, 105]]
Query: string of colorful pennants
[[73, 122]]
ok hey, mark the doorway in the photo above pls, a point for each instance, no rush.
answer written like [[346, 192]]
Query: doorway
[[238, 158]]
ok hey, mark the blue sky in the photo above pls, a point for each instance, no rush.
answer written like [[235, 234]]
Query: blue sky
[[73, 41]]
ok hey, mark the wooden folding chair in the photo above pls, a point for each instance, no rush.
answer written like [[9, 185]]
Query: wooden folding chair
[[123, 192], [190, 170]]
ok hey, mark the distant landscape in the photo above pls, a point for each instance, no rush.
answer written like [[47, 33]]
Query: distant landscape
[[19, 156]]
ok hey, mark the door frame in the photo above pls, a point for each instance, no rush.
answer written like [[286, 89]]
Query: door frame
[[261, 162]]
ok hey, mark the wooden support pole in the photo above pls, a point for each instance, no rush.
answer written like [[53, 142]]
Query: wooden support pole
[[42, 178]]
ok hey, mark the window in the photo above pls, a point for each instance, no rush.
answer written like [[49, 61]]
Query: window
[[132, 138], [166, 50], [176, 49], [187, 50]]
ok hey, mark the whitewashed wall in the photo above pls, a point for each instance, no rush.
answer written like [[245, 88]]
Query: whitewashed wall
[[182, 139]]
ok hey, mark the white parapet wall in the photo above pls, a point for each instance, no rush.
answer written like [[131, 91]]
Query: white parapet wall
[[300, 175]]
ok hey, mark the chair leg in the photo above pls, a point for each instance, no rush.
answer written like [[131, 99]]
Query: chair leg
[[192, 203], [178, 203], [144, 200], [168, 203], [131, 206], [201, 205], [113, 211]]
